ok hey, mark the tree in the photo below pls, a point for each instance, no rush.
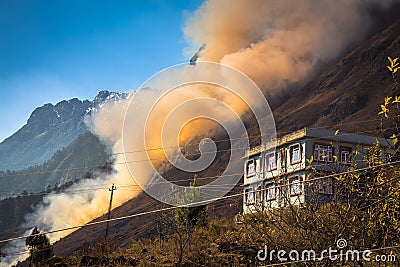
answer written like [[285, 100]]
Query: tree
[[188, 216], [39, 246]]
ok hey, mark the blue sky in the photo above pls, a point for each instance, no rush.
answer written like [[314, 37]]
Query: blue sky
[[52, 50]]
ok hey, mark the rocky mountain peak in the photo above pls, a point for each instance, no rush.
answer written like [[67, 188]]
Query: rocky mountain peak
[[49, 129], [104, 97]]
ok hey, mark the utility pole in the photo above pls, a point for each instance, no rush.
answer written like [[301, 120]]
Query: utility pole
[[111, 189]]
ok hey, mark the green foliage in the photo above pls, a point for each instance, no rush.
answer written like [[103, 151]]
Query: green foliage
[[187, 217], [191, 215], [39, 246]]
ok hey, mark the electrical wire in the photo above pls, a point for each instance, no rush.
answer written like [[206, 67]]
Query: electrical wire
[[139, 232], [215, 177], [134, 215], [129, 216], [134, 161], [195, 144], [204, 202]]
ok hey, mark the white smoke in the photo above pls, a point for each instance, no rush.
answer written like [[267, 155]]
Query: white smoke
[[89, 198]]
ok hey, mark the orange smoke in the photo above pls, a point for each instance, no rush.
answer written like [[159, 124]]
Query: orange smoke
[[277, 43]]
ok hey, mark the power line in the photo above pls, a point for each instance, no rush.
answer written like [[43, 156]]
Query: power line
[[313, 179], [195, 203], [215, 177], [195, 144], [154, 211], [236, 185], [136, 161], [204, 202], [66, 242]]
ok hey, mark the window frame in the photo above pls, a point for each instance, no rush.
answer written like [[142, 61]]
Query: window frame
[[326, 160], [300, 184], [247, 192], [291, 153], [267, 157], [267, 187], [342, 148], [247, 168], [320, 182]]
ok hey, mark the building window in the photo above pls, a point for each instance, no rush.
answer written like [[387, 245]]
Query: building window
[[323, 186], [249, 196], [250, 168], [295, 154], [271, 161], [345, 155], [323, 153], [270, 190], [295, 186]]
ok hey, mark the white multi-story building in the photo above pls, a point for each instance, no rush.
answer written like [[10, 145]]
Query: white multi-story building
[[275, 174]]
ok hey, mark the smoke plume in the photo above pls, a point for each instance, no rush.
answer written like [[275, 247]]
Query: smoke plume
[[278, 43], [89, 198]]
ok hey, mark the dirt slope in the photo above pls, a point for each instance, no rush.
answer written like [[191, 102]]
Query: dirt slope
[[343, 97]]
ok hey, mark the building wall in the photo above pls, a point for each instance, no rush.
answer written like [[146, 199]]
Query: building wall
[[276, 184], [357, 153], [289, 165], [272, 193]]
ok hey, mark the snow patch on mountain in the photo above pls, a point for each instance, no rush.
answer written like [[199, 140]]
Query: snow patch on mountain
[[51, 128]]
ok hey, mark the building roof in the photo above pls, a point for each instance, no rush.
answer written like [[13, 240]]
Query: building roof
[[320, 134]]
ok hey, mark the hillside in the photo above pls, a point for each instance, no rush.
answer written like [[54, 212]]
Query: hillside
[[12, 213], [344, 97], [76, 161], [49, 129], [348, 96], [80, 160]]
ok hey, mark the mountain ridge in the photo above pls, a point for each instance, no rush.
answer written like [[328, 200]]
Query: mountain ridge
[[49, 129], [350, 92]]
